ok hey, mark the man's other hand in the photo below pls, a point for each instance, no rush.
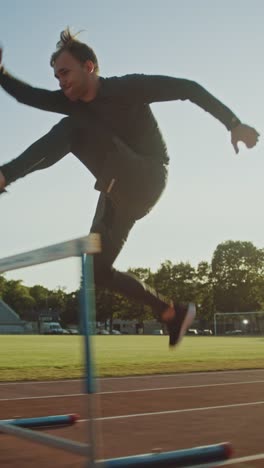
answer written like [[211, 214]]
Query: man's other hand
[[246, 134]]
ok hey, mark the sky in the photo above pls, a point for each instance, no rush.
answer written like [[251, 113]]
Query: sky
[[213, 195]]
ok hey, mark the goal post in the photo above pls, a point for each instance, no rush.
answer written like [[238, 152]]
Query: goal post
[[239, 323]]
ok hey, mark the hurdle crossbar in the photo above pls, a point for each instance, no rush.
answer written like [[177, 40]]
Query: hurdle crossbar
[[74, 248]]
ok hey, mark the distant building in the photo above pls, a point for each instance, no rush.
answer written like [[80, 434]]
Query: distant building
[[10, 322], [127, 327], [132, 327]]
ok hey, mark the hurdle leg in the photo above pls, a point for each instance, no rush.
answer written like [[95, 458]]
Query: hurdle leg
[[87, 307]]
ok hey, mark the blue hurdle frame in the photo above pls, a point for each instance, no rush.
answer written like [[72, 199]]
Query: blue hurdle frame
[[85, 248]]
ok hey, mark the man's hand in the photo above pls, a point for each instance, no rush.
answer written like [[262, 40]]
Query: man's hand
[[244, 133]]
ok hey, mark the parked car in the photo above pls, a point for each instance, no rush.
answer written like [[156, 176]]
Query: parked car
[[73, 331], [52, 328], [103, 332], [157, 332], [206, 332], [116, 332], [234, 332], [192, 331]]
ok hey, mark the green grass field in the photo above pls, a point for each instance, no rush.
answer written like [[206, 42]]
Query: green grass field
[[55, 357]]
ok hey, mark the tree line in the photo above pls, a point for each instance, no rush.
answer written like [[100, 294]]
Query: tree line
[[232, 282]]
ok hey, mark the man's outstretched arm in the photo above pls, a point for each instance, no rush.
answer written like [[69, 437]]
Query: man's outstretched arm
[[52, 101], [158, 88]]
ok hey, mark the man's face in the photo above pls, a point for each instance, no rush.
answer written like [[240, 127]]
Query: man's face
[[74, 77]]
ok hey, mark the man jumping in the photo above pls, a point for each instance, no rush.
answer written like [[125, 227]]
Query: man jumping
[[110, 128]]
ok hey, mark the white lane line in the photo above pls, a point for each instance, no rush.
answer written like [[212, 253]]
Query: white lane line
[[184, 374], [233, 461], [249, 458], [142, 390], [41, 382], [186, 410], [136, 377], [182, 387], [44, 397]]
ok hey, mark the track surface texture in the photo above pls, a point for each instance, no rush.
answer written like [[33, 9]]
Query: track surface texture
[[137, 415]]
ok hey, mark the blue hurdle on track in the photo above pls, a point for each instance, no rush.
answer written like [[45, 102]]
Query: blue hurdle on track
[[85, 248], [43, 421]]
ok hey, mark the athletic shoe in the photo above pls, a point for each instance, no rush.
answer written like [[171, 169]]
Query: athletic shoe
[[179, 324]]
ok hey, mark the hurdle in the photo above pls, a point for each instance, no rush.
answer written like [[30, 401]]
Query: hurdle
[[22, 427], [85, 248], [43, 421]]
